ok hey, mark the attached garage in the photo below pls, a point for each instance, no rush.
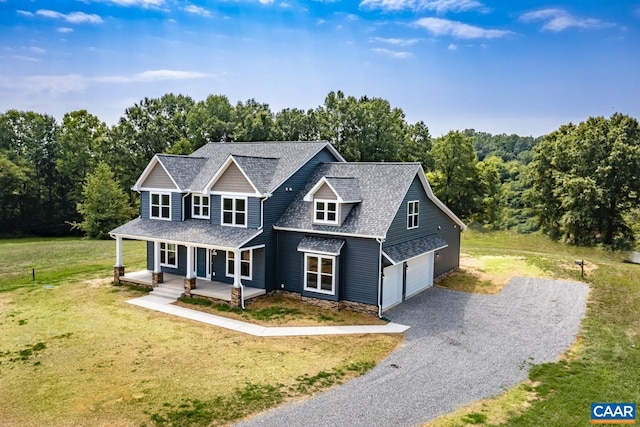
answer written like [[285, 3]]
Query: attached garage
[[411, 269]]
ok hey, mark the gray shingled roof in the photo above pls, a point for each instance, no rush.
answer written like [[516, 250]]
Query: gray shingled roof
[[183, 169], [382, 187], [407, 250], [291, 156], [194, 231], [347, 188], [320, 244], [260, 170]]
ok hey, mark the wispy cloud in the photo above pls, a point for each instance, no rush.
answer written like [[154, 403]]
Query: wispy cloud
[[459, 30], [559, 20], [72, 18], [26, 58], [439, 6], [265, 2], [197, 10], [394, 41], [36, 49], [61, 84], [393, 53], [453, 47], [134, 3], [65, 30], [24, 12]]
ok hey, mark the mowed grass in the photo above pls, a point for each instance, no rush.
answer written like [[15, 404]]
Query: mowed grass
[[75, 354], [603, 365]]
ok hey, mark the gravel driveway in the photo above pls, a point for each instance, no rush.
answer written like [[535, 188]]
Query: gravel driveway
[[461, 347]]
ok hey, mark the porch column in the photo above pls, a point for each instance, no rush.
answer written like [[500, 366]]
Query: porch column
[[189, 280], [156, 276], [236, 290], [118, 269]]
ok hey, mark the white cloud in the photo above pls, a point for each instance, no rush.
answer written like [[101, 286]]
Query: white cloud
[[321, 21], [453, 46], [65, 30], [439, 6], [37, 50], [559, 20], [26, 58], [285, 5], [459, 30], [393, 41], [393, 53], [24, 12], [197, 10], [152, 76], [73, 17], [138, 3], [265, 1]]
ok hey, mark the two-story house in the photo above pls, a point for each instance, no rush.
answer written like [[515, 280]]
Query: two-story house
[[253, 218]]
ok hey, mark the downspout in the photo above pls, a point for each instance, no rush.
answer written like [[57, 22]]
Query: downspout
[[380, 241], [262, 200]]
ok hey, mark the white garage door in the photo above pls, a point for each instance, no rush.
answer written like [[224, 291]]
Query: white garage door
[[419, 273], [392, 286]]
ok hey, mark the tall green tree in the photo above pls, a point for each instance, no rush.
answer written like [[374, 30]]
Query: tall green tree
[[293, 124], [456, 179], [211, 120], [105, 204], [254, 121], [586, 179]]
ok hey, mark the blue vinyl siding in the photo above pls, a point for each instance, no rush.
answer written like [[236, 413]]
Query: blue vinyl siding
[[356, 268], [275, 206], [144, 204], [176, 207], [257, 273], [149, 255], [253, 212], [182, 260], [430, 218], [215, 211]]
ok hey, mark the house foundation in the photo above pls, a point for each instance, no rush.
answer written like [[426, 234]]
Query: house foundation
[[236, 297]]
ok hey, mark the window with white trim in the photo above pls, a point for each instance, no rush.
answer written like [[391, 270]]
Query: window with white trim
[[245, 264], [200, 206], [234, 211], [160, 205], [168, 254], [319, 273], [325, 211], [413, 208]]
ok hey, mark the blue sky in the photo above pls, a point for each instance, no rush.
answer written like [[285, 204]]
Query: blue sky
[[507, 66]]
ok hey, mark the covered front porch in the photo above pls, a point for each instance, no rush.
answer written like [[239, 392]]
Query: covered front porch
[[203, 287]]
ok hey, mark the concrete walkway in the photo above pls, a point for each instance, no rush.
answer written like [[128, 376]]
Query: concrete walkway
[[164, 305]]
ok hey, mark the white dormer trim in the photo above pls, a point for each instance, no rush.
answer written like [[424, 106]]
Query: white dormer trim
[[309, 197], [145, 174], [220, 172]]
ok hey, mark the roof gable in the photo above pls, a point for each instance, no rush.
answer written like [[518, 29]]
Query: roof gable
[[342, 189], [155, 177], [231, 178]]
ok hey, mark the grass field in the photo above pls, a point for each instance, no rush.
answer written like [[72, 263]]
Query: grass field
[[604, 363], [72, 353]]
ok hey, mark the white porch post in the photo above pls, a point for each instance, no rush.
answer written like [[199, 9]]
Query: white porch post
[[118, 252], [189, 262], [156, 257], [236, 269]]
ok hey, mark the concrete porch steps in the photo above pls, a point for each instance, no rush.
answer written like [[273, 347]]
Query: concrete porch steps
[[168, 292]]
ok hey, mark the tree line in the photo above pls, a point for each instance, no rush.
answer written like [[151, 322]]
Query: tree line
[[54, 176]]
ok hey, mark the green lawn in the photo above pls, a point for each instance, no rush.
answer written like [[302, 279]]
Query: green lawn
[[73, 353], [603, 365]]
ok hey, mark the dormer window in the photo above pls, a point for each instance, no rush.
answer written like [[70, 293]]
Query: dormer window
[[160, 206], [200, 206], [325, 211], [234, 211]]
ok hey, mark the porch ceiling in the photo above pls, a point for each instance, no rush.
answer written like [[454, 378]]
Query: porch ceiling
[[190, 231]]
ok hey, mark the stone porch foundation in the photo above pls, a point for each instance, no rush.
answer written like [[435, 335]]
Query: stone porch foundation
[[156, 279], [189, 284], [118, 272], [331, 305], [235, 297]]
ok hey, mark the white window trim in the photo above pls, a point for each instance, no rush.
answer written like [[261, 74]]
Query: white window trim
[[151, 205], [201, 205], [308, 255], [250, 261], [166, 250], [415, 215], [233, 211], [326, 211]]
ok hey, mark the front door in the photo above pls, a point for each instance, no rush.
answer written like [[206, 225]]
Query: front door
[[204, 262]]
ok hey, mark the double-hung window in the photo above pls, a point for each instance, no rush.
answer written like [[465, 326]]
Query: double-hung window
[[160, 206], [413, 208], [168, 255], [319, 273], [325, 212], [245, 264], [200, 206], [234, 211]]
